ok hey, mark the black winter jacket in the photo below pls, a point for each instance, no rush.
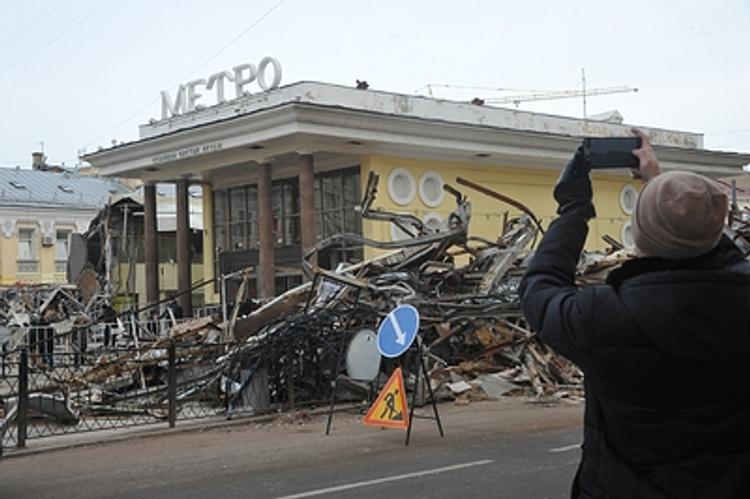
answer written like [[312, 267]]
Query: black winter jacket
[[665, 349]]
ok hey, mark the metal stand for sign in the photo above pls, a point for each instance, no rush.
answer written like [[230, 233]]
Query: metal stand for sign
[[371, 387], [423, 369], [341, 350], [336, 375], [396, 336]]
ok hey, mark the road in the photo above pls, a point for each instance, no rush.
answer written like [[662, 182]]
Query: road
[[505, 449]]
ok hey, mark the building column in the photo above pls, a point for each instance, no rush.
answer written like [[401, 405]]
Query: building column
[[150, 243], [307, 203], [266, 271], [184, 280]]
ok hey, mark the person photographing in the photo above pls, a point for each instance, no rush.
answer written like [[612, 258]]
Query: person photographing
[[663, 343]]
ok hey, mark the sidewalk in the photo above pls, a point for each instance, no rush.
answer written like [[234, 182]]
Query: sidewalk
[[345, 414], [81, 439]]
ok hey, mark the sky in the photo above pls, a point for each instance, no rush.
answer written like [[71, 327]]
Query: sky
[[77, 74]]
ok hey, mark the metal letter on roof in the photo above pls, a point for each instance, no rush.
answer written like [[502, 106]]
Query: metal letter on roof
[[242, 75], [176, 108]]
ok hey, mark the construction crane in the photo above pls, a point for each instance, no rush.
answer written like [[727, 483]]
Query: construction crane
[[536, 95], [558, 94]]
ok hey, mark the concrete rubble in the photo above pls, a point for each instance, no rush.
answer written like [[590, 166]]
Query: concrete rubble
[[465, 289], [287, 351]]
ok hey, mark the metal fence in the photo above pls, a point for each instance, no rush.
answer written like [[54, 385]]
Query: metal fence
[[45, 393], [9, 389], [80, 378], [68, 337]]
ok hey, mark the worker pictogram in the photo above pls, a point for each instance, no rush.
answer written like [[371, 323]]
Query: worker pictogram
[[390, 410]]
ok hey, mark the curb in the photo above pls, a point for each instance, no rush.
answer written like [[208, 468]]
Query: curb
[[192, 426]]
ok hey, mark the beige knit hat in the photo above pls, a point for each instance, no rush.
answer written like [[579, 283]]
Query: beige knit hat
[[679, 215]]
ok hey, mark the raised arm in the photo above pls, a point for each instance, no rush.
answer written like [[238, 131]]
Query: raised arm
[[551, 303]]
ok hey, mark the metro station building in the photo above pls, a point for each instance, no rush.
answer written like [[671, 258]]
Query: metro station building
[[285, 168]]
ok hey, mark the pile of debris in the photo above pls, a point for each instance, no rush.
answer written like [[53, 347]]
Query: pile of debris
[[288, 351], [465, 288], [27, 311]]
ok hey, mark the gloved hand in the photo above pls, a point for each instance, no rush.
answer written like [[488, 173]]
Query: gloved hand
[[573, 190]]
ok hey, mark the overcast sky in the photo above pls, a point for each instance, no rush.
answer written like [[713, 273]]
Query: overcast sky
[[79, 73]]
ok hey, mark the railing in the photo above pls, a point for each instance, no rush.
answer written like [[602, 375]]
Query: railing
[[27, 266], [126, 332], [57, 380], [44, 394], [213, 310], [9, 395]]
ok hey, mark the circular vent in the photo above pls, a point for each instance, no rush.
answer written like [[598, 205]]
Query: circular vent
[[626, 235], [628, 199], [431, 188], [401, 186], [433, 222]]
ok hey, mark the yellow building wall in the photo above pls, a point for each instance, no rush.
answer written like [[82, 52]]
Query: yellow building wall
[[46, 255], [532, 187], [167, 279], [209, 294], [9, 274], [8, 255]]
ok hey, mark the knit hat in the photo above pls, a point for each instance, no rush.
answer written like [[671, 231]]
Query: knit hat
[[679, 215]]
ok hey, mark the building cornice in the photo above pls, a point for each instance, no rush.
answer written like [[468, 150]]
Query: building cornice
[[311, 122]]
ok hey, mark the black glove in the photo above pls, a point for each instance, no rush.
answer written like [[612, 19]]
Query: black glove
[[573, 190]]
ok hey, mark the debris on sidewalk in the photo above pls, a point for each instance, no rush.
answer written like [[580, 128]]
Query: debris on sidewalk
[[286, 352], [464, 287]]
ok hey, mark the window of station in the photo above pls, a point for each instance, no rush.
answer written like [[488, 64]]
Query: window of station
[[286, 281], [337, 194], [221, 215], [285, 202], [235, 212], [235, 219]]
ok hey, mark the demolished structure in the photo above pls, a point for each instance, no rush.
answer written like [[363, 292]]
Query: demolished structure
[[289, 350]]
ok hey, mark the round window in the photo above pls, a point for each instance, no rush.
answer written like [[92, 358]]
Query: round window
[[433, 222], [626, 235], [401, 186], [628, 198], [431, 188]]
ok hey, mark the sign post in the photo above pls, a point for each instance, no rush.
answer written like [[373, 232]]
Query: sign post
[[396, 335]]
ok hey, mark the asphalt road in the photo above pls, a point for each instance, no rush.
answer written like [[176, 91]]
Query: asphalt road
[[492, 449]]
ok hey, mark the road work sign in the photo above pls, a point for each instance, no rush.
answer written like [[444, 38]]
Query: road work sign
[[398, 330], [390, 410]]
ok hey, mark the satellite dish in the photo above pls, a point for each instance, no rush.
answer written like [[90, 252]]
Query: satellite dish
[[363, 357]]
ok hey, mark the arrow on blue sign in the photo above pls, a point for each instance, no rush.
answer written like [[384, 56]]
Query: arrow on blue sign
[[398, 331]]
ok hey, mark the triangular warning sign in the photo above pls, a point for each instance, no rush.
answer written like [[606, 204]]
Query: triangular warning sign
[[390, 410]]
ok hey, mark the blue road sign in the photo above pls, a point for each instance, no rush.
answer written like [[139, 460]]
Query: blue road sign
[[398, 330]]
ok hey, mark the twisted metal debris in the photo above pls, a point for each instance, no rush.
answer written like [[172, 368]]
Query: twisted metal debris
[[288, 351]]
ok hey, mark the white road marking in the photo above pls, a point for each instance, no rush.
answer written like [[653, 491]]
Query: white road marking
[[394, 478], [566, 448]]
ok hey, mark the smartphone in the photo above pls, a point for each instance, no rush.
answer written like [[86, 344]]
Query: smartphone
[[611, 152]]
